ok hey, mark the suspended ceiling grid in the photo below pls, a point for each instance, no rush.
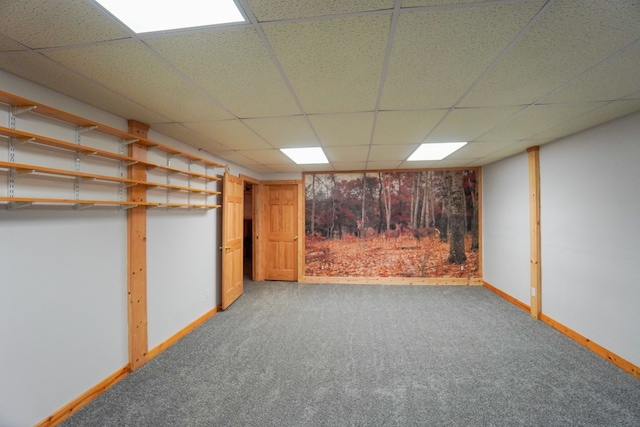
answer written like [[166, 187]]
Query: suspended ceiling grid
[[368, 80]]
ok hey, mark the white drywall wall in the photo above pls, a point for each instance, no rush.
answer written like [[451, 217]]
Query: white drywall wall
[[505, 226]]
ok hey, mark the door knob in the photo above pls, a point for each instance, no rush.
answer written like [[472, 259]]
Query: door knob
[[225, 247], [295, 237]]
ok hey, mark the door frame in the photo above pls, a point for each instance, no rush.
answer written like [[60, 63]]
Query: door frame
[[257, 273], [299, 274]]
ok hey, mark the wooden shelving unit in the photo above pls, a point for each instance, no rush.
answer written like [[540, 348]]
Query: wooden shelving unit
[[15, 170]]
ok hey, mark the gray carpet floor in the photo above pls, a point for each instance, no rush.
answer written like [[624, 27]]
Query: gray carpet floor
[[288, 354]]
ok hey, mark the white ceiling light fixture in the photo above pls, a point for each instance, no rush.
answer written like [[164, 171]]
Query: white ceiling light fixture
[[306, 155], [435, 151], [145, 16]]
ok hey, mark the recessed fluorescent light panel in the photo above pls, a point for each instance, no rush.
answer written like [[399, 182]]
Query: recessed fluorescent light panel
[[145, 16], [435, 150], [306, 155]]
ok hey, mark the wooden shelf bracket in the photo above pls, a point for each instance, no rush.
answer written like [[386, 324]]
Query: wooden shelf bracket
[[85, 129]]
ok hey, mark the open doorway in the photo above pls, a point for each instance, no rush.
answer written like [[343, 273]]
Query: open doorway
[[248, 230]]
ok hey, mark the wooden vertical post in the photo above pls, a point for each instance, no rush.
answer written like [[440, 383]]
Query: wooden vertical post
[[534, 221], [137, 253]]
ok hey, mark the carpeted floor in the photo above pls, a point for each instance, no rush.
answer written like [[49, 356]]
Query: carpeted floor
[[288, 354]]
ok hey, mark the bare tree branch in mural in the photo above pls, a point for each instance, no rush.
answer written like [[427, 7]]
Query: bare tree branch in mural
[[457, 213]]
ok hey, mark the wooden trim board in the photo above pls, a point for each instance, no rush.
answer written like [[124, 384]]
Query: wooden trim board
[[180, 334], [506, 296], [72, 407], [534, 225], [474, 281], [621, 363]]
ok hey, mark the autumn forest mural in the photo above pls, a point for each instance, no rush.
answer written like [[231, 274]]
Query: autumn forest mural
[[392, 224]]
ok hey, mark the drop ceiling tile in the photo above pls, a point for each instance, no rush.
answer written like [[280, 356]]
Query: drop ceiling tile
[[283, 132], [457, 163], [405, 127], [333, 65], [317, 168], [384, 165], [567, 40], [352, 153], [419, 165], [345, 129], [238, 158], [536, 119], [42, 70], [349, 166], [592, 118], [466, 124], [131, 70], [267, 157], [234, 66], [606, 82], [182, 133], [291, 167], [51, 23], [418, 3], [474, 150], [231, 133], [513, 149], [9, 45], [437, 54], [277, 10], [397, 152], [634, 95]]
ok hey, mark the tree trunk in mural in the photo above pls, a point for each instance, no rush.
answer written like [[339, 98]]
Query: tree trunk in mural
[[457, 213], [445, 185], [313, 204], [473, 188]]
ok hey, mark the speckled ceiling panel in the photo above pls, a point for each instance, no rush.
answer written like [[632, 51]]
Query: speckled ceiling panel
[[607, 112], [8, 45], [609, 81], [276, 10], [466, 124], [133, 71], [346, 129], [438, 54], [535, 119], [334, 65], [415, 3], [51, 23], [35, 67], [283, 132], [405, 127], [347, 154], [567, 40], [234, 66], [395, 152], [231, 133], [268, 157]]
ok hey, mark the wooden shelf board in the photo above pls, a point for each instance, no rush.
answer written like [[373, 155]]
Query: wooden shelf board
[[16, 101], [73, 201]]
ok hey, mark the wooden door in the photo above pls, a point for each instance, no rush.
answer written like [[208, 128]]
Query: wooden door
[[281, 231], [232, 229]]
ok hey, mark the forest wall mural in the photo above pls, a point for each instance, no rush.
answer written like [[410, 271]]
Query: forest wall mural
[[418, 224]]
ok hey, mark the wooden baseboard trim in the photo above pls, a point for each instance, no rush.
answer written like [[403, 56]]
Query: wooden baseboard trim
[[415, 281], [72, 407], [506, 296], [596, 348], [184, 331], [623, 364]]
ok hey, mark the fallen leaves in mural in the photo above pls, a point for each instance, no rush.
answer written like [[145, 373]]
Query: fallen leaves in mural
[[380, 257]]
